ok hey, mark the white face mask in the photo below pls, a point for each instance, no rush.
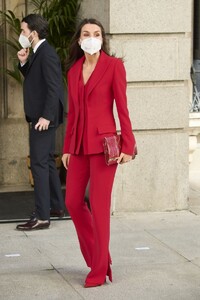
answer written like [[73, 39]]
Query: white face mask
[[24, 41], [91, 45]]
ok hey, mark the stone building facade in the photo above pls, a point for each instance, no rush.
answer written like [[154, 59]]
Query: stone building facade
[[155, 40]]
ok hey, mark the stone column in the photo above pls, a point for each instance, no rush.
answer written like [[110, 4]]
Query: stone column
[[14, 133], [155, 39]]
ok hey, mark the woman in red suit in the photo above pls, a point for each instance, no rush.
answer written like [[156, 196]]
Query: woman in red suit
[[95, 81]]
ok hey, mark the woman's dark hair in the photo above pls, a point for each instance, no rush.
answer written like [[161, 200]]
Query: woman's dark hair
[[38, 23], [75, 51]]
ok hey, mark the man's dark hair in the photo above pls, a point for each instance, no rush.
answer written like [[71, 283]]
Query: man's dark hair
[[38, 23]]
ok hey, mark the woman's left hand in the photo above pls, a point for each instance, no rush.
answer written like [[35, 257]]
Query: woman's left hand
[[124, 158]]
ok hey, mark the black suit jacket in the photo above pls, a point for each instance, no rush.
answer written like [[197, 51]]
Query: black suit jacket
[[43, 86]]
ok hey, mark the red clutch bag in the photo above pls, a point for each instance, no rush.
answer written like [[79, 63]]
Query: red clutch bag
[[112, 149]]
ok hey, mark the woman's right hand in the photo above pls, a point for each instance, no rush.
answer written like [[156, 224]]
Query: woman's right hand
[[65, 160]]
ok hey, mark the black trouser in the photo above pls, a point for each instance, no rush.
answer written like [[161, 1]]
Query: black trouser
[[47, 186]]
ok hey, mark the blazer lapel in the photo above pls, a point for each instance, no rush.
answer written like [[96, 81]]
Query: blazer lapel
[[77, 69], [101, 67], [31, 59], [34, 55]]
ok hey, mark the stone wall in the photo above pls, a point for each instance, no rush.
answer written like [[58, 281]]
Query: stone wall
[[155, 40], [13, 127]]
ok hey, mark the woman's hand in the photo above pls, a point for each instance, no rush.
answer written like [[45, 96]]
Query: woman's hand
[[124, 158], [65, 160]]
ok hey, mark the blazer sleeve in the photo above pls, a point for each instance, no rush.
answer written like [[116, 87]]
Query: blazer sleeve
[[119, 90], [70, 118], [23, 69], [51, 69]]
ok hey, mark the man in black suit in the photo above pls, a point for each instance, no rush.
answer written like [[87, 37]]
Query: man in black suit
[[43, 106]]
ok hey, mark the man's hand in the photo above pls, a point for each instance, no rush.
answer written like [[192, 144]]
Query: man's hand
[[23, 55], [42, 124]]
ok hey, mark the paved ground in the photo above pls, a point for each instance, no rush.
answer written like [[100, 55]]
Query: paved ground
[[156, 256]]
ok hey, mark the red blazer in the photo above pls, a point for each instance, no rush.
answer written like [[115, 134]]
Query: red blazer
[[107, 83]]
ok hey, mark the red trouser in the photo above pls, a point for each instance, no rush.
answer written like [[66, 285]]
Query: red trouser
[[93, 228]]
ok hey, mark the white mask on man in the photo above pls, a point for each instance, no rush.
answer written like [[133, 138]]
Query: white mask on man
[[24, 41], [91, 45]]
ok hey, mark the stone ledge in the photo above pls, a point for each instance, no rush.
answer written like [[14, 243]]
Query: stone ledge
[[154, 58], [139, 16]]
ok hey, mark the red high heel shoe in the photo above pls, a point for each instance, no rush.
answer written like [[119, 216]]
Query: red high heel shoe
[[90, 284], [109, 273]]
